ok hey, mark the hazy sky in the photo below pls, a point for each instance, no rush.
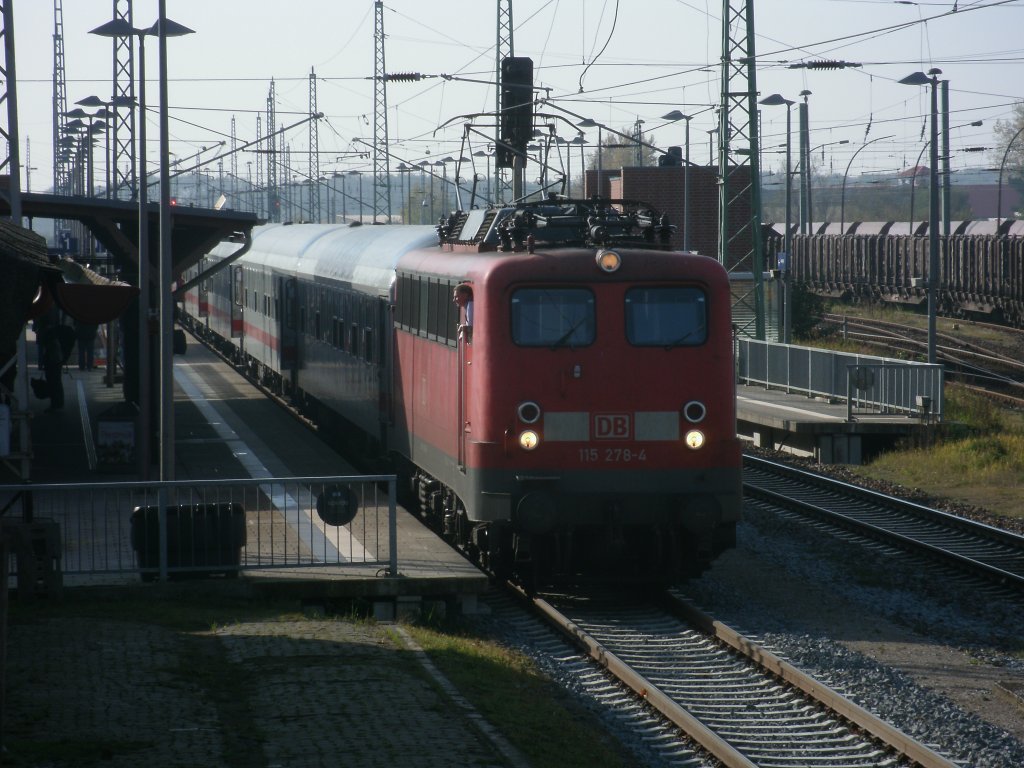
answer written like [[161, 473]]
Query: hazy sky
[[615, 62]]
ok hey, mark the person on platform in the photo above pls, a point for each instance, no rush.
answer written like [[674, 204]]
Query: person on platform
[[85, 340], [53, 361]]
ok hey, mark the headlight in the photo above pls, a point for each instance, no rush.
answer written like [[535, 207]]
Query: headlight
[[608, 261], [528, 440], [695, 438]]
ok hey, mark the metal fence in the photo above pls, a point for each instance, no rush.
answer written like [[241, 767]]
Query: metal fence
[[167, 529], [868, 384]]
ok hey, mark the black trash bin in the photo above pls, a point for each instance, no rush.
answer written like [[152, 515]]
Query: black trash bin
[[202, 540]]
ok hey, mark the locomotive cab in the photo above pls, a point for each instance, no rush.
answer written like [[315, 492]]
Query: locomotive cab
[[594, 403]]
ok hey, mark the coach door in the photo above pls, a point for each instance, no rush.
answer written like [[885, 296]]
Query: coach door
[[464, 300], [237, 302], [384, 335], [288, 323]]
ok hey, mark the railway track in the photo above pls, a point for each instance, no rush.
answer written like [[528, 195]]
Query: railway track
[[980, 549], [733, 698]]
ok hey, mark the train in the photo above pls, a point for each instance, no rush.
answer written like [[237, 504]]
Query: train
[[981, 266], [552, 385]]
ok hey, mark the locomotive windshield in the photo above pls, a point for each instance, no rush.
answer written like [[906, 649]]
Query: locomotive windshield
[[666, 317], [553, 317]]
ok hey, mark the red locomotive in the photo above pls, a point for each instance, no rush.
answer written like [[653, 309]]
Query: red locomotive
[[555, 386]]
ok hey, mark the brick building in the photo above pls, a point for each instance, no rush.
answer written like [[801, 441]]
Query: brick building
[[662, 187]]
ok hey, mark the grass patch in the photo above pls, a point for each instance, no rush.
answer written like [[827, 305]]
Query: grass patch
[[977, 458], [543, 722]]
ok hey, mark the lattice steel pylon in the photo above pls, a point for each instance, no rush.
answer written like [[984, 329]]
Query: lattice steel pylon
[[273, 201], [61, 158], [233, 164], [504, 47], [740, 247], [10, 163], [258, 206], [123, 173], [314, 153], [381, 164]]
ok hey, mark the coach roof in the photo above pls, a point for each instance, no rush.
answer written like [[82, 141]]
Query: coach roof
[[363, 256]]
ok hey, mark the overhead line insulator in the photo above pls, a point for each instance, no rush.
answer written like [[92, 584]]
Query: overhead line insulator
[[825, 64]]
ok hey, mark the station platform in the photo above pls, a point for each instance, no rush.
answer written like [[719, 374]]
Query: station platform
[[815, 427], [226, 429]]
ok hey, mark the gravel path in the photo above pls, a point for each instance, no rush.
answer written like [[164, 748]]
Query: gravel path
[[928, 657]]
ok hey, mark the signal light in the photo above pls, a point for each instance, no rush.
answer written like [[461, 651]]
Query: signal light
[[516, 119]]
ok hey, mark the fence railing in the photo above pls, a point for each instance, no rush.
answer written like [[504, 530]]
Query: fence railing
[[167, 529], [868, 384]]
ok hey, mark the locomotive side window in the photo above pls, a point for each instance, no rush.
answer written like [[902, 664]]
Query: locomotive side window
[[666, 317], [433, 289], [423, 306], [553, 317]]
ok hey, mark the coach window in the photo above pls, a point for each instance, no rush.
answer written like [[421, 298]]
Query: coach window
[[666, 316], [553, 317], [353, 340]]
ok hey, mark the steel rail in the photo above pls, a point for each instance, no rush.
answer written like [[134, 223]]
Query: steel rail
[[853, 713], [902, 331], [720, 748], [907, 510], [690, 725]]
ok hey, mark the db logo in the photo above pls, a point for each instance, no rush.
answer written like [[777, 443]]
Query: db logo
[[612, 426]]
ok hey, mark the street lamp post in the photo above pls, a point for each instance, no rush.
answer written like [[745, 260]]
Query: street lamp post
[[433, 210], [590, 123], [121, 28], [805, 169], [487, 155], [842, 196], [359, 175], [945, 172], [711, 147], [920, 78], [92, 129], [675, 114], [444, 186], [804, 164], [106, 115], [1002, 166], [580, 141], [345, 196], [787, 313], [165, 28]]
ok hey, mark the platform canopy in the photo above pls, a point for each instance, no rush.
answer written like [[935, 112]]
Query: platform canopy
[[115, 224]]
